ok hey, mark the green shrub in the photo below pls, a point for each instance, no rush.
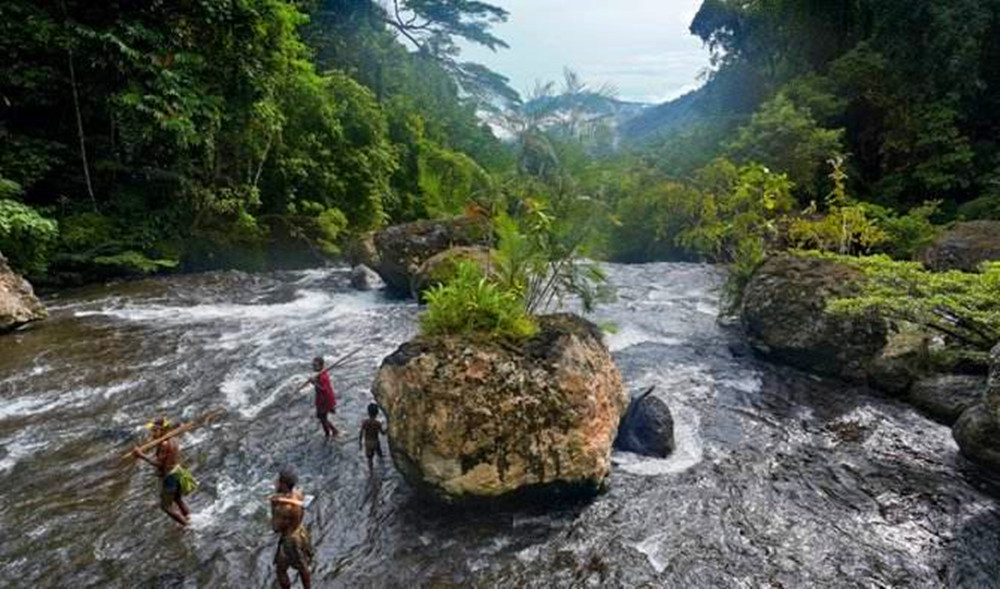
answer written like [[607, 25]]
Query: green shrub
[[964, 306], [26, 237], [845, 228], [131, 263], [906, 235], [472, 304], [986, 207], [87, 231]]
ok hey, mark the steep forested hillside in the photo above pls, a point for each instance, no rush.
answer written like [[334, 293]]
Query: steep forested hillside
[[908, 90], [136, 136]]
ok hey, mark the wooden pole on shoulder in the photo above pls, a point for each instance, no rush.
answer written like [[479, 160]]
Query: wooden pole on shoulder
[[339, 362], [203, 420]]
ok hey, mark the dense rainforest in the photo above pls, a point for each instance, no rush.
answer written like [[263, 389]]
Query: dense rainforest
[[137, 136], [237, 133]]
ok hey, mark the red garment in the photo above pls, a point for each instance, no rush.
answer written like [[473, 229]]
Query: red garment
[[326, 401]]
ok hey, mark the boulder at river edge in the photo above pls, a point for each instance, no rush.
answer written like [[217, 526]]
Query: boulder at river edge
[[364, 278], [977, 431], [403, 248], [18, 303], [647, 428], [440, 267], [946, 396], [964, 247], [476, 418], [785, 318]]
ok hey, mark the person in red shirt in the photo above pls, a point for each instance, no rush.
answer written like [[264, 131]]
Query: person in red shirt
[[326, 401]]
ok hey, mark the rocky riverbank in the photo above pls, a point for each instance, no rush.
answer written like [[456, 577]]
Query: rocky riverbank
[[785, 317], [18, 303]]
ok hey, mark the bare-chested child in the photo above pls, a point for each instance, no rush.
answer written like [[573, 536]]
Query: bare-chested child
[[287, 516], [167, 462], [371, 428]]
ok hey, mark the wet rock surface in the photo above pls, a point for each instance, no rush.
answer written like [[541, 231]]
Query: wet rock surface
[[647, 428], [439, 268], [977, 431], [364, 278], [964, 247], [946, 396], [403, 248], [18, 303], [785, 318], [476, 418]]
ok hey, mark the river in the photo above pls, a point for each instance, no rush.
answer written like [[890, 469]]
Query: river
[[779, 479]]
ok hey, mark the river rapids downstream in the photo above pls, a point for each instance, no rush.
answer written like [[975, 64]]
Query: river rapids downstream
[[779, 479]]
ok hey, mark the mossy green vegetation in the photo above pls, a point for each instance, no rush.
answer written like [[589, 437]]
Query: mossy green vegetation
[[470, 303], [963, 306]]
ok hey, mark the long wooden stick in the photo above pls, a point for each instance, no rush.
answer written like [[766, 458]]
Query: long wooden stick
[[340, 362], [176, 432]]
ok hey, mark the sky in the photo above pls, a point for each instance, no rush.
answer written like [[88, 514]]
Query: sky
[[641, 47]]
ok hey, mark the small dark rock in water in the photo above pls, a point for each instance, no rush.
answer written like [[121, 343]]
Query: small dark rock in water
[[364, 278], [647, 428], [946, 397]]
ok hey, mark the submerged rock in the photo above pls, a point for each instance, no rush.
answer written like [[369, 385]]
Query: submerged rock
[[946, 396], [18, 303], [785, 318], [977, 431], [478, 418], [964, 247], [364, 278], [441, 267], [647, 428], [403, 248]]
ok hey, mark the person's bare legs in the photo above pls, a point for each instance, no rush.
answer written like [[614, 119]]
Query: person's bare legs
[[183, 506], [283, 579], [306, 577], [177, 516]]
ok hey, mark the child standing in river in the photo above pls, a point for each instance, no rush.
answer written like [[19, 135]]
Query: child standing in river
[[371, 428]]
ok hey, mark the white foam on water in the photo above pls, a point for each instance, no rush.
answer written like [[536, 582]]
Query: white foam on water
[[22, 446], [633, 335], [230, 495], [236, 387], [528, 555], [43, 403], [213, 312], [650, 548]]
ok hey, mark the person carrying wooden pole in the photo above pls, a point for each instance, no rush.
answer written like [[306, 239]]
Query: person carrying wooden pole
[[176, 481]]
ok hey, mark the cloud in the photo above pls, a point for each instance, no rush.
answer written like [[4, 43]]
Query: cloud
[[643, 47]]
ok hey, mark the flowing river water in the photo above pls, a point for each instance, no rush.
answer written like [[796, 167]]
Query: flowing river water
[[779, 479]]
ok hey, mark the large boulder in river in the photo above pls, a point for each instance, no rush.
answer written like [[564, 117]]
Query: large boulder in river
[[964, 247], [977, 431], [403, 248], [18, 303], [439, 268], [364, 278], [478, 418], [785, 318], [647, 428], [946, 396]]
